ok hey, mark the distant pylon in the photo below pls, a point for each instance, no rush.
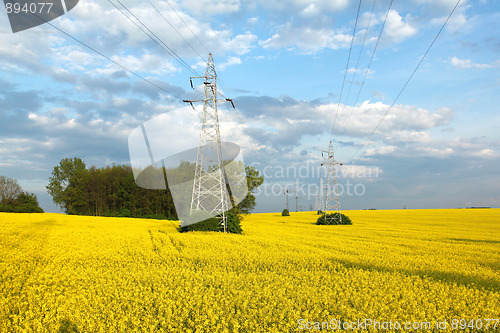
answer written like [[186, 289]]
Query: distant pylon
[[332, 200], [210, 191], [319, 198]]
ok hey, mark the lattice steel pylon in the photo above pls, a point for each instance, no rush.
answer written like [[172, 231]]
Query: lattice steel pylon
[[210, 191], [319, 198], [332, 199]]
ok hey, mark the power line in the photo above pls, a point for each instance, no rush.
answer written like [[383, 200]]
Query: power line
[[357, 64], [346, 68], [407, 81], [158, 40], [106, 57], [250, 141], [366, 34], [368, 67], [187, 26], [218, 77], [134, 73], [164, 18]]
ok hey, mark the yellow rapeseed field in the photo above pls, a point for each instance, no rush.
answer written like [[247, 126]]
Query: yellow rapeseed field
[[284, 274]]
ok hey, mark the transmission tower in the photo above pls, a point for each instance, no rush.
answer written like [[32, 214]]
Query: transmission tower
[[286, 194], [319, 198], [332, 200], [210, 191]]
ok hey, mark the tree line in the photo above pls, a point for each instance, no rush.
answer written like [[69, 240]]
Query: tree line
[[112, 191]]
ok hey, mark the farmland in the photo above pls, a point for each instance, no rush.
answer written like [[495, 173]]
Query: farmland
[[92, 274]]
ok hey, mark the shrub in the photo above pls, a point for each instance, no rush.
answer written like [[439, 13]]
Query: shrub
[[285, 212], [334, 218], [213, 224], [23, 203], [320, 212]]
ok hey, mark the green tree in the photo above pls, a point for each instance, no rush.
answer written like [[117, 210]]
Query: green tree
[[14, 200], [113, 191], [27, 203], [65, 184], [254, 180]]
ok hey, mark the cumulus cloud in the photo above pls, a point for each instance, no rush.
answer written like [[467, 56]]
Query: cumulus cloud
[[418, 144], [117, 32], [306, 7], [150, 63], [384, 150], [467, 63], [439, 10], [397, 28], [230, 61], [363, 71], [286, 122], [86, 106], [320, 33], [211, 7], [306, 38]]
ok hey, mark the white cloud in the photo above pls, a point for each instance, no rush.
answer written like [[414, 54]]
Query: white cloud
[[360, 71], [401, 117], [480, 148], [229, 62], [304, 6], [116, 33], [430, 151], [467, 63], [306, 38], [211, 7], [421, 144], [240, 44], [405, 136], [384, 150], [397, 28], [366, 18], [485, 153], [287, 122], [145, 63], [354, 171], [440, 10]]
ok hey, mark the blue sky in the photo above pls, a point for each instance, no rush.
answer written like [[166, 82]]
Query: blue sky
[[283, 63]]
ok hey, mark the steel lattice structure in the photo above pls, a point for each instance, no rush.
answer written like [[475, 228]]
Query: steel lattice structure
[[319, 198], [332, 200], [210, 191]]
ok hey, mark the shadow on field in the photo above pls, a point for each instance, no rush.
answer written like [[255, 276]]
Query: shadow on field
[[465, 240], [458, 278], [67, 326], [49, 223]]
